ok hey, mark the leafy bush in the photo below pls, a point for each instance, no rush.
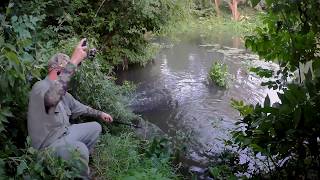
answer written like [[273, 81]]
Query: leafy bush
[[267, 73], [18, 68], [228, 166], [219, 74], [287, 133], [41, 165]]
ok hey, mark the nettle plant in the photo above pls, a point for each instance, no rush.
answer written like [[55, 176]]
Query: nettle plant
[[287, 132]]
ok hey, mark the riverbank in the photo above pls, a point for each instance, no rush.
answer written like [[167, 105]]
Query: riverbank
[[211, 27]]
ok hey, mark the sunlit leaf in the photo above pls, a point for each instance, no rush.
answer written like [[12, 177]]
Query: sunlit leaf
[[11, 56]]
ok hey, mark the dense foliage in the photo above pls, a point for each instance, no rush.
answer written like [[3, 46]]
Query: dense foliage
[[287, 132], [32, 31]]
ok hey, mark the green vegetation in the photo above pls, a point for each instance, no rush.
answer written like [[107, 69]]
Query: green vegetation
[[33, 164], [286, 133], [203, 21], [219, 74], [125, 157], [262, 72], [32, 31], [227, 166]]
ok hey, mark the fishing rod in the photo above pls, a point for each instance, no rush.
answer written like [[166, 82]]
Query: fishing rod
[[127, 124], [91, 54]]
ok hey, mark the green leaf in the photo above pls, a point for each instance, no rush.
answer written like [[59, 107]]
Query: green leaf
[[22, 166], [2, 168], [14, 18], [316, 68], [254, 2], [262, 72], [258, 148], [214, 171], [297, 117], [267, 101], [308, 76], [6, 112], [11, 56]]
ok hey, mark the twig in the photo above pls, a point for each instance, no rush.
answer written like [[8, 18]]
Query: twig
[[99, 8]]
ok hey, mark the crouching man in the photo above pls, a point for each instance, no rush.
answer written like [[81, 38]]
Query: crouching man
[[51, 106]]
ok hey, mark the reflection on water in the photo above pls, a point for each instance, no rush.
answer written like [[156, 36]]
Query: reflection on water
[[174, 93]]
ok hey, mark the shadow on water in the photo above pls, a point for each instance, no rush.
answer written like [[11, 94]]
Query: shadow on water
[[174, 94]]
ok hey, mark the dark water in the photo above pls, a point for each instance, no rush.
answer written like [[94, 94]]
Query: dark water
[[174, 93]]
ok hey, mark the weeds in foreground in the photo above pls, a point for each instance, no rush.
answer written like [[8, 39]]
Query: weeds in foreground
[[121, 157], [35, 164]]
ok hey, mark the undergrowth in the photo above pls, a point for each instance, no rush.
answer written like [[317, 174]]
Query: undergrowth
[[125, 157]]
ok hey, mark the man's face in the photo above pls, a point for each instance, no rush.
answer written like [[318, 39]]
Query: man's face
[[58, 62], [59, 67], [62, 65]]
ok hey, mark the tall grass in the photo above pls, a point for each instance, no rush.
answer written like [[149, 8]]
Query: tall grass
[[210, 26], [122, 157]]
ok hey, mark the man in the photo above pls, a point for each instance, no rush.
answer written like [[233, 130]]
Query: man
[[51, 106]]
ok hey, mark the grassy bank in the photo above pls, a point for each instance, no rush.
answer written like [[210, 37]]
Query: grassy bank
[[210, 26]]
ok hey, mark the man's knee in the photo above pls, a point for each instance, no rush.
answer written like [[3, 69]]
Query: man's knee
[[82, 149], [65, 151], [96, 128]]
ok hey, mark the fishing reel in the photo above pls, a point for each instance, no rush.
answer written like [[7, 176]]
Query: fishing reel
[[91, 53]]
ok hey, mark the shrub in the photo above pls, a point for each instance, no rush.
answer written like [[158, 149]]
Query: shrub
[[219, 74], [287, 132], [42, 164], [19, 67]]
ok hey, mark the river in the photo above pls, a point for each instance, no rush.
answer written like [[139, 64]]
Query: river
[[174, 93]]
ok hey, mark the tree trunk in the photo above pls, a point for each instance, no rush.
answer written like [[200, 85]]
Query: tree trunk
[[217, 7], [234, 9]]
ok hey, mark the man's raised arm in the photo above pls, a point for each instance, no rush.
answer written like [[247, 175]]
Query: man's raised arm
[[59, 87], [60, 72]]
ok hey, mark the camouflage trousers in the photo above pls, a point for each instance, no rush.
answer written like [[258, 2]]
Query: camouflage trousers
[[79, 137]]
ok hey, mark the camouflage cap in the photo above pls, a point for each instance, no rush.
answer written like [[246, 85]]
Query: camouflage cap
[[58, 60]]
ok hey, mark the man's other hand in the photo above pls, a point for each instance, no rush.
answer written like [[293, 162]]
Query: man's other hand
[[79, 53], [106, 117]]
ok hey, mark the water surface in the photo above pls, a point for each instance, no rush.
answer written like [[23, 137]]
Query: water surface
[[174, 93]]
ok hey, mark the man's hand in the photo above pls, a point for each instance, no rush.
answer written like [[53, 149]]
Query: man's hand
[[79, 53], [106, 117]]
